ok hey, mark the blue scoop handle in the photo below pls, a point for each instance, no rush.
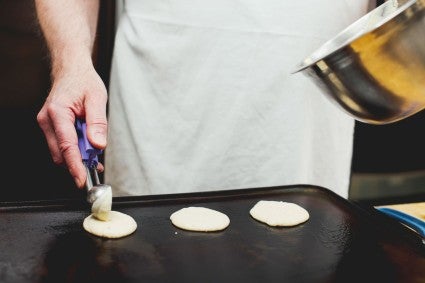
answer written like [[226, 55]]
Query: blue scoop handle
[[88, 152], [412, 222]]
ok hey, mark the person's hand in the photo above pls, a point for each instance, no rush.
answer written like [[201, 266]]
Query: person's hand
[[77, 92]]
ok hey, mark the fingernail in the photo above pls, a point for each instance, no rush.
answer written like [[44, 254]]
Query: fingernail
[[100, 138]]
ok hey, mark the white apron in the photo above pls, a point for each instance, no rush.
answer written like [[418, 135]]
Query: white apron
[[201, 97]]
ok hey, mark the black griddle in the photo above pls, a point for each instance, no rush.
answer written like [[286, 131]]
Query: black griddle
[[341, 242]]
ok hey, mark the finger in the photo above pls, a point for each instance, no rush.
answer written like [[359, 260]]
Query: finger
[[100, 168], [63, 123], [47, 128], [95, 109]]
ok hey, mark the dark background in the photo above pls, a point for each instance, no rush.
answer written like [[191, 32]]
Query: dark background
[[28, 171]]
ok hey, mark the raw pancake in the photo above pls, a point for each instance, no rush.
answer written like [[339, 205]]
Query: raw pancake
[[200, 219], [279, 213], [118, 225]]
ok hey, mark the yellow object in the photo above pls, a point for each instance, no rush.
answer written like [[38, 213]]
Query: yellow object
[[414, 209]]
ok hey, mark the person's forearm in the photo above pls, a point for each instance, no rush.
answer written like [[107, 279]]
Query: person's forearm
[[69, 27]]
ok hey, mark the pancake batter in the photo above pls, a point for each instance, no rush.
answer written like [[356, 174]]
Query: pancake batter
[[279, 213], [118, 225], [200, 219]]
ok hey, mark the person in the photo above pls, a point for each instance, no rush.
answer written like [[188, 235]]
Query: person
[[201, 94]]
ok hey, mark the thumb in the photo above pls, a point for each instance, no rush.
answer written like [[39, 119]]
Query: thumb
[[95, 109]]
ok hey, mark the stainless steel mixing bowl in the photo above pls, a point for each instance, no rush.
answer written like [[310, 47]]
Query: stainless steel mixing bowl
[[375, 68]]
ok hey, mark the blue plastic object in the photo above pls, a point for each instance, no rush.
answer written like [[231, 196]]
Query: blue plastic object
[[88, 152], [410, 221]]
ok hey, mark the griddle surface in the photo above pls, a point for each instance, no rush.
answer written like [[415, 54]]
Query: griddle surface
[[341, 242]]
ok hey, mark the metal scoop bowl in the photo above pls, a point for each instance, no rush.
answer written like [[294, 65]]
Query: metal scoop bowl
[[98, 195]]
